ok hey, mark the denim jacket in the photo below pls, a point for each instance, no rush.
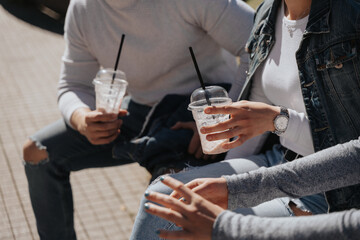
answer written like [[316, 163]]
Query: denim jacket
[[328, 60]]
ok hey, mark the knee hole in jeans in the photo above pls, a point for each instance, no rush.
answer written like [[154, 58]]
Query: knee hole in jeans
[[34, 153]]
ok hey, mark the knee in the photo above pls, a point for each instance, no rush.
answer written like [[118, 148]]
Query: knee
[[32, 154]]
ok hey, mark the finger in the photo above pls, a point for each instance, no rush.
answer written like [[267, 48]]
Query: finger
[[101, 126], [234, 132], [222, 126], [105, 134], [182, 234], [122, 113], [178, 186], [190, 185], [235, 143], [221, 110], [199, 153], [104, 140], [101, 117], [206, 157], [194, 183], [179, 125], [194, 144], [165, 213], [166, 201]]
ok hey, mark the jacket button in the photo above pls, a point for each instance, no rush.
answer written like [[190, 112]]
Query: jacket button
[[339, 65]]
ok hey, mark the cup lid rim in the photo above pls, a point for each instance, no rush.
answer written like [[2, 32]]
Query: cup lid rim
[[98, 81], [192, 107]]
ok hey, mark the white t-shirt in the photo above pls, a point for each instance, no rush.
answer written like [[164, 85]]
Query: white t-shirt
[[277, 82]]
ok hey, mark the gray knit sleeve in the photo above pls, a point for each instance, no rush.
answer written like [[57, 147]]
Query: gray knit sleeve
[[78, 66], [341, 225], [336, 167]]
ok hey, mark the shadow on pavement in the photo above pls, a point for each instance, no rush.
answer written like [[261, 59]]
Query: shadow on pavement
[[36, 15]]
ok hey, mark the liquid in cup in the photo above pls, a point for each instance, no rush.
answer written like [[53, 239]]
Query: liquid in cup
[[109, 92], [197, 106]]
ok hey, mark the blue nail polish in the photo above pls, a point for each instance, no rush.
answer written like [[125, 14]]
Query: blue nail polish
[[157, 232], [162, 178], [146, 206], [147, 193]]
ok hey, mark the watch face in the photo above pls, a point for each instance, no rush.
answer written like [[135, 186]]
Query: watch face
[[281, 123]]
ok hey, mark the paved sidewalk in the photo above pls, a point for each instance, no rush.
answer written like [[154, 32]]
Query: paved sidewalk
[[106, 200]]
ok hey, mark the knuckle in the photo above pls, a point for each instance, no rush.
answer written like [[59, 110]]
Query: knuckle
[[193, 209], [179, 186], [228, 134], [228, 108]]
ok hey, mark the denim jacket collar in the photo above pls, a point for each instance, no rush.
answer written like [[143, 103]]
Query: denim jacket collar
[[269, 26], [319, 17]]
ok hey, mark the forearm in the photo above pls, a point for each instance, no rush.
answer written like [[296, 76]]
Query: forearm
[[78, 118], [78, 68], [70, 101], [342, 225], [332, 168]]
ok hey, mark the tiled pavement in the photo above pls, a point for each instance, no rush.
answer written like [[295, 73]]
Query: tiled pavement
[[106, 200]]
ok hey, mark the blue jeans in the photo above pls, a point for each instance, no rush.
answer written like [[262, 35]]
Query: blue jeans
[[146, 224], [68, 150]]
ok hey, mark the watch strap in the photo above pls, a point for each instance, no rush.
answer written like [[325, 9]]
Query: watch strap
[[283, 112]]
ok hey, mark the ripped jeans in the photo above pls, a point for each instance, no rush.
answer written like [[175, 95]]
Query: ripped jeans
[[146, 224], [68, 150]]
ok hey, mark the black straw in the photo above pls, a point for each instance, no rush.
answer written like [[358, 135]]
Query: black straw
[[118, 58], [199, 75]]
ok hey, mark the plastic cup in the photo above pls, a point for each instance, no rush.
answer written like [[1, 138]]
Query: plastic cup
[[110, 88], [200, 98]]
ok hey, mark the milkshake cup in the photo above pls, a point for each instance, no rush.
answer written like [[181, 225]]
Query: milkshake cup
[[200, 99], [110, 88]]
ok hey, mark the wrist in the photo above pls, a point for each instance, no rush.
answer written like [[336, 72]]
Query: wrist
[[281, 121], [275, 111], [77, 118]]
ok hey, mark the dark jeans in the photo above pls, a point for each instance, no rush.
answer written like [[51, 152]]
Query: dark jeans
[[68, 150]]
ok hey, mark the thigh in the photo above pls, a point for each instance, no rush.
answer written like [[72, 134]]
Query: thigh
[[214, 170], [71, 150], [275, 208], [226, 167], [61, 141]]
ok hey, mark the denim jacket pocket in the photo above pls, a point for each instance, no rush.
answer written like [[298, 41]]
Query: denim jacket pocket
[[339, 65]]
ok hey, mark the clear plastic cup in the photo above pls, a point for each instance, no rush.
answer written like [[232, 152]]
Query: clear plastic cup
[[109, 92], [200, 99]]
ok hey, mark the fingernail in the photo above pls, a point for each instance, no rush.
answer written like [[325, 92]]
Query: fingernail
[[207, 110], [147, 193], [209, 138], [146, 206], [157, 232], [202, 130], [162, 178]]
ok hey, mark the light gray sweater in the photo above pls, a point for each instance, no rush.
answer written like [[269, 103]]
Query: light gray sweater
[[336, 167], [155, 55]]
